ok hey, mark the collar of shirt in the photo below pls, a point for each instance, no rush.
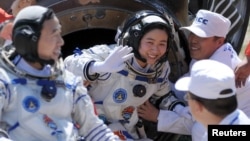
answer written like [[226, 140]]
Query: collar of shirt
[[231, 118]]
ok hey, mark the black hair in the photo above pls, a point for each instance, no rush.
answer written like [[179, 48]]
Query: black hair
[[220, 107]]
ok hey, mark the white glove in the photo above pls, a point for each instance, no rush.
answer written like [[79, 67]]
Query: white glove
[[114, 62]]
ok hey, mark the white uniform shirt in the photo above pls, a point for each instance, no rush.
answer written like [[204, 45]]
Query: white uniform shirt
[[238, 117], [227, 55], [183, 123]]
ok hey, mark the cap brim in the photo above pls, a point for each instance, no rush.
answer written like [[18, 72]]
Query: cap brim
[[183, 84], [197, 31]]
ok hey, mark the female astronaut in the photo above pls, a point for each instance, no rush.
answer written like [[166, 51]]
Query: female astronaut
[[125, 75]]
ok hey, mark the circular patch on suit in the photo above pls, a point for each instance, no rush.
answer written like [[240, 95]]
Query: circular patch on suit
[[127, 112], [31, 104], [139, 90], [120, 95]]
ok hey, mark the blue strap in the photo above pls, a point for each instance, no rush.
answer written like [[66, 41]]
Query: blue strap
[[98, 102], [13, 127], [22, 81], [45, 82], [77, 52], [142, 78]]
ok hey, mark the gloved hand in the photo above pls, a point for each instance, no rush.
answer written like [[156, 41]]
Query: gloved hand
[[114, 62]]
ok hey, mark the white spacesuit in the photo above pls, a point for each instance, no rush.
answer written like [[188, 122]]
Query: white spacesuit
[[43, 105], [121, 84]]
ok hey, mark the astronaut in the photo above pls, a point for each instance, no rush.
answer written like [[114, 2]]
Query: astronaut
[[38, 99], [125, 75]]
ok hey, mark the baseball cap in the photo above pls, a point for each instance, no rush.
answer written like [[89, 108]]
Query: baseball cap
[[4, 15], [209, 24], [209, 79]]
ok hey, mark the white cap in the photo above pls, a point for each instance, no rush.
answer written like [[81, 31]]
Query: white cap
[[209, 24], [209, 79]]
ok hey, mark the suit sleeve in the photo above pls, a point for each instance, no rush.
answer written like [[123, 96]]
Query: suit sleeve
[[179, 121], [79, 62], [90, 126], [4, 98]]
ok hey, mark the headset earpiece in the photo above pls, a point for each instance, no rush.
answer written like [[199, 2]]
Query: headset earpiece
[[25, 33], [25, 37]]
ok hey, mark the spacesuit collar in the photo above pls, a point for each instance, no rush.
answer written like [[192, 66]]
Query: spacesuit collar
[[21, 68], [137, 67], [24, 66]]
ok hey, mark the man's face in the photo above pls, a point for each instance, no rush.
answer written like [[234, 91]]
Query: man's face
[[194, 107], [50, 41], [203, 48]]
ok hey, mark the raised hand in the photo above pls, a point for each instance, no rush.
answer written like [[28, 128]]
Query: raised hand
[[114, 62]]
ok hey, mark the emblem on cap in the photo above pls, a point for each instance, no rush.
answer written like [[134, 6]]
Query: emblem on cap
[[202, 20]]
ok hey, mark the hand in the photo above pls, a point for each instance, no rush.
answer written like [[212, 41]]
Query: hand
[[242, 72], [114, 62], [148, 111]]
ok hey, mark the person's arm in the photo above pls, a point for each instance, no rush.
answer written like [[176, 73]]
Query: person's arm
[[4, 100], [148, 111], [99, 59], [91, 127], [177, 119], [242, 71]]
